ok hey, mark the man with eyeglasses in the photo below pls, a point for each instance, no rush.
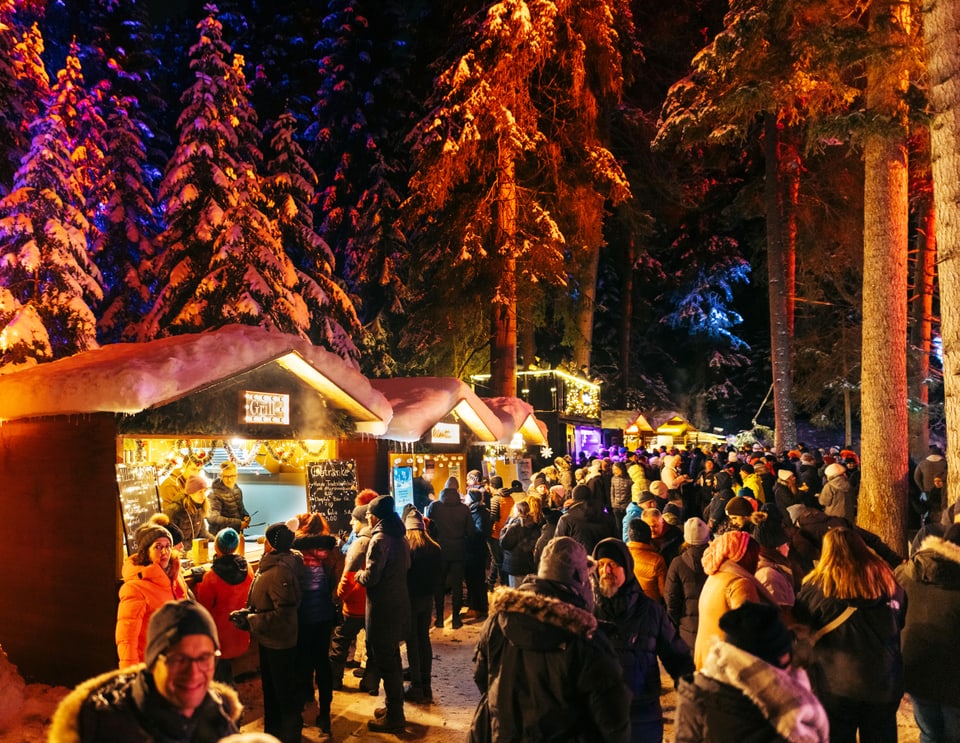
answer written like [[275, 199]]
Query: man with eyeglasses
[[171, 697]]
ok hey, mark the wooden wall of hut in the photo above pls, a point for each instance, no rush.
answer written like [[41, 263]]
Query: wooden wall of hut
[[59, 545]]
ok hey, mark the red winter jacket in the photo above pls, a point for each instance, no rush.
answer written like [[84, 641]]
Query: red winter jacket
[[224, 589]]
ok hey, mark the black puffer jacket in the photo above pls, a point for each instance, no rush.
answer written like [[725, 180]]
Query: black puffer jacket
[[274, 600], [451, 523], [586, 522], [681, 593], [931, 635], [124, 705], [620, 486], [518, 540], [640, 632], [225, 507], [543, 673]]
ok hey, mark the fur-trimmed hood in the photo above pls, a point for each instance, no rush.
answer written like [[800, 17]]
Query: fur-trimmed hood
[[937, 561], [115, 684], [540, 615], [783, 696]]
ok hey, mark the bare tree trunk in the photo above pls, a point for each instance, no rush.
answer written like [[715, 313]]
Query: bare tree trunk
[[785, 426], [503, 330], [790, 170], [589, 234], [883, 488], [919, 411], [626, 314], [527, 345], [941, 30]]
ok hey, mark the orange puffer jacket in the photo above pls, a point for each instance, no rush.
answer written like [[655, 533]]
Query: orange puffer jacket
[[145, 589]]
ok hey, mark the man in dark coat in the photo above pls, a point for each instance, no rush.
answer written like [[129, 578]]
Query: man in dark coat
[[271, 618], [640, 632], [225, 509], [543, 672], [451, 525], [585, 520], [172, 693], [931, 635], [388, 606], [478, 555]]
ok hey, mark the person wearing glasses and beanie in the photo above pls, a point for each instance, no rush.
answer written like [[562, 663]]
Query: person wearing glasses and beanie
[[172, 696]]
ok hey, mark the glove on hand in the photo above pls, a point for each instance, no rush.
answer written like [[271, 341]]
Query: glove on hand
[[240, 619]]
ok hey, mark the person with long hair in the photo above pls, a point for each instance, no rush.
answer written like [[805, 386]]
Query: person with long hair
[[151, 577], [189, 513], [323, 563], [853, 600], [423, 581]]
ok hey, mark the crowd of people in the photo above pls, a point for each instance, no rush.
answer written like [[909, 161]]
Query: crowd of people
[[742, 572]]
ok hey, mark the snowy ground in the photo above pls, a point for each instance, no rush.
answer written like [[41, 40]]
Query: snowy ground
[[448, 719]]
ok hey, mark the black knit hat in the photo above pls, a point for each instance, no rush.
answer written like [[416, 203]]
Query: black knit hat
[[759, 630], [382, 506], [359, 514], [280, 536], [172, 622], [770, 532], [638, 530]]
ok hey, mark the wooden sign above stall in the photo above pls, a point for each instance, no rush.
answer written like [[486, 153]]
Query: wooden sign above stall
[[332, 491], [139, 498], [445, 433]]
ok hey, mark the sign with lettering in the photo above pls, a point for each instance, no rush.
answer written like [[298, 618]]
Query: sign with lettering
[[332, 491], [139, 499], [445, 433], [271, 408], [402, 486]]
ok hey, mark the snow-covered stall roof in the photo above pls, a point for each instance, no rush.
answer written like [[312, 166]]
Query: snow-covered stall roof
[[132, 377], [420, 402], [518, 416]]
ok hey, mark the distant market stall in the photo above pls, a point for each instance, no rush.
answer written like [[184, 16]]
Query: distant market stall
[[525, 441], [86, 441], [437, 425]]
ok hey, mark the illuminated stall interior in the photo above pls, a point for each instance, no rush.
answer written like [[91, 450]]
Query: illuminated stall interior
[[525, 438]]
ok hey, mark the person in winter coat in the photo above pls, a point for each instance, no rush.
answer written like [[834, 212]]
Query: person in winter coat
[[271, 617], [222, 590], [585, 520], [552, 512], [786, 492], [930, 640], [323, 565], [423, 581], [649, 567], [225, 509], [714, 513], [388, 606], [641, 632], [811, 526], [729, 562], [543, 671], [172, 486], [934, 465], [621, 496], [171, 697], [501, 505], [189, 512], [519, 539], [475, 567], [685, 579], [853, 597], [151, 577], [836, 496], [665, 536], [639, 484], [747, 690], [451, 525], [353, 599]]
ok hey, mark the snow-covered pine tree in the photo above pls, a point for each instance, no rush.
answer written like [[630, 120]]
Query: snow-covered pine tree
[[47, 279], [84, 125], [220, 260], [127, 225], [290, 187], [13, 142]]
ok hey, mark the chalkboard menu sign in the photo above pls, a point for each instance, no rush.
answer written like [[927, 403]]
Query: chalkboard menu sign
[[139, 499], [332, 491]]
